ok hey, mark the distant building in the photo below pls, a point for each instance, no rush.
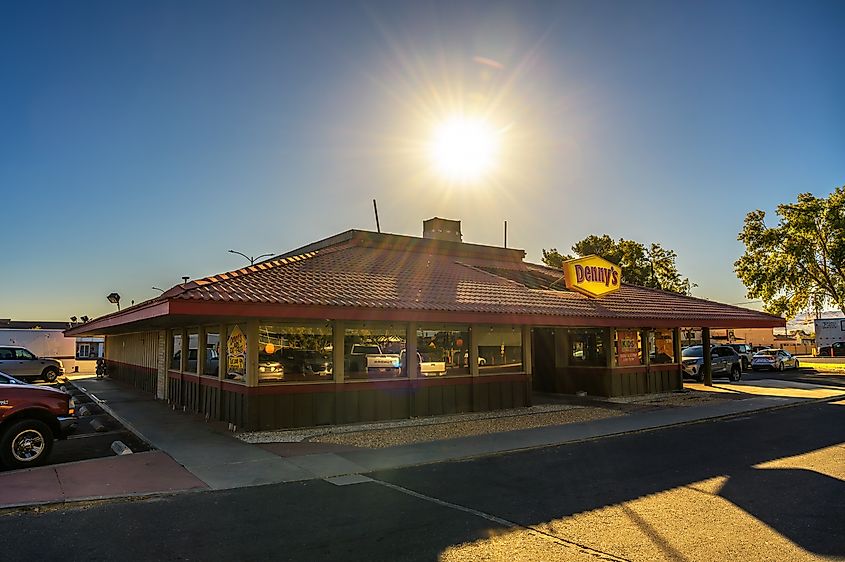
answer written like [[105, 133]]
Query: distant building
[[47, 339]]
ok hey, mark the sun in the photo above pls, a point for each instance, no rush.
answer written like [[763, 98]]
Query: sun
[[465, 149]]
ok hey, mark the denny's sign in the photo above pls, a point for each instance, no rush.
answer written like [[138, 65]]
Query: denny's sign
[[592, 276]]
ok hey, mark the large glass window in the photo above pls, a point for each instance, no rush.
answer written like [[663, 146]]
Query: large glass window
[[629, 348], [176, 354], [443, 351], [294, 352], [193, 344], [212, 352], [661, 346], [586, 347], [499, 350], [373, 351], [236, 352]]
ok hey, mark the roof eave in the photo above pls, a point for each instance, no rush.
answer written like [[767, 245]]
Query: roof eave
[[137, 314]]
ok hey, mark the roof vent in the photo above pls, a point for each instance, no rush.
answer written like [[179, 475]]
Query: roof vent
[[442, 229]]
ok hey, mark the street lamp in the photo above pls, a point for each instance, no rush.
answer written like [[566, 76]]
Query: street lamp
[[114, 298], [157, 289], [251, 259]]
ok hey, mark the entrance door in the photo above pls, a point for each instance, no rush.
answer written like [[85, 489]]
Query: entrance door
[[543, 359]]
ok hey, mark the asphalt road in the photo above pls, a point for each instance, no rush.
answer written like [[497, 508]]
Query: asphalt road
[[765, 487]]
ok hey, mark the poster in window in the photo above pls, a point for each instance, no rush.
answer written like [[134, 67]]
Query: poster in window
[[236, 352], [627, 348]]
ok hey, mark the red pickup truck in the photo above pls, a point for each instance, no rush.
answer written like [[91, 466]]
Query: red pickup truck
[[31, 418]]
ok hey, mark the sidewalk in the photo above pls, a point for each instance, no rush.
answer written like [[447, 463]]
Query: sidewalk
[[192, 454]]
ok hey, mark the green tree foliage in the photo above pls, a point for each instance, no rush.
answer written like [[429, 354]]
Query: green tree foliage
[[799, 264], [648, 266]]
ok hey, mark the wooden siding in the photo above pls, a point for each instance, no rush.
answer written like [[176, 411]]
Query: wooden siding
[[598, 381], [133, 359]]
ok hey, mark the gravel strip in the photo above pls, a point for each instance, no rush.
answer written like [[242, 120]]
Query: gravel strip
[[376, 439], [303, 434]]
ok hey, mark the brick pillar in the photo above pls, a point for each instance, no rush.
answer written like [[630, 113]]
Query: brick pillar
[[162, 361]]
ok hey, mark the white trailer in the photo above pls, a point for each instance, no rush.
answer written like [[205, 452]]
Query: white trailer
[[43, 343], [829, 331]]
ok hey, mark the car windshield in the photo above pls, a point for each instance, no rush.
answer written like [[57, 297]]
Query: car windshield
[[367, 349], [769, 352], [695, 351]]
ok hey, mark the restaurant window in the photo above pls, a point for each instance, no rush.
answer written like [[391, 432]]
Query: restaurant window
[[373, 351], [443, 351], [212, 352], [193, 344], [294, 352], [176, 349], [661, 346], [629, 348], [499, 350], [236, 352], [586, 347]]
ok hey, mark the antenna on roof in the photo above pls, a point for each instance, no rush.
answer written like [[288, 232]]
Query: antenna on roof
[[375, 208], [506, 234]]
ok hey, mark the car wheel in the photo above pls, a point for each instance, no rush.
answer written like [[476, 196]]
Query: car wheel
[[26, 443], [796, 365], [780, 366], [736, 373], [50, 374], [744, 364], [698, 377]]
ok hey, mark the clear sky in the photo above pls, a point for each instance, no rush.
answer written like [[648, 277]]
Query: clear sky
[[139, 141]]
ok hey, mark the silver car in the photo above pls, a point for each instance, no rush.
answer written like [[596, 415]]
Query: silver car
[[21, 363], [774, 360], [724, 361]]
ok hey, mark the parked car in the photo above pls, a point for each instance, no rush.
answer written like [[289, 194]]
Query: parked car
[[22, 363], [836, 349], [725, 361], [774, 360], [427, 365], [31, 419], [745, 354]]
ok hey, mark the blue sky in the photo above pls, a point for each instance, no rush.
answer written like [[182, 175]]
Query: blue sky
[[141, 140]]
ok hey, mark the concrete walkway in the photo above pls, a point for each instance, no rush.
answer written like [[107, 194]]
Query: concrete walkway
[[205, 457], [129, 475], [218, 460]]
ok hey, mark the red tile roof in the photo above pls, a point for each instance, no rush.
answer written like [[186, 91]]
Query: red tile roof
[[365, 270]]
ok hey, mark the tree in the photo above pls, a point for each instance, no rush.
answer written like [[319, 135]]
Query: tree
[[799, 264], [652, 266]]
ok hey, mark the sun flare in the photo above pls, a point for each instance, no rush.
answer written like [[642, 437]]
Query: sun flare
[[465, 149]]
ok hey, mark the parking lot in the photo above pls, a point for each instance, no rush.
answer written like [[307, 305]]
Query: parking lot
[[95, 432]]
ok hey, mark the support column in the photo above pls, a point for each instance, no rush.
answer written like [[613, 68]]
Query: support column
[[202, 345], [163, 363], [708, 360], [252, 353], [222, 353], [527, 362], [676, 344], [338, 366], [676, 353], [338, 369], [411, 365], [474, 331], [183, 356], [610, 352]]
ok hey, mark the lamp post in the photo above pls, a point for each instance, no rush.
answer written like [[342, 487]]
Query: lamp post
[[251, 259], [114, 298]]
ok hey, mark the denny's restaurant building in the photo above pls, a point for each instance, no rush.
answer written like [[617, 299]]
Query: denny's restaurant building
[[365, 326]]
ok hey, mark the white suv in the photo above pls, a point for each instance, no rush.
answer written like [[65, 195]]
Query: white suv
[[21, 363]]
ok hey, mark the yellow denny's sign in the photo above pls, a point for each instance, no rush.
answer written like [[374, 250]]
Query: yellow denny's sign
[[592, 276]]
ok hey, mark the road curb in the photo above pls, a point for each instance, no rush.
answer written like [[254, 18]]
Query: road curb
[[460, 458], [8, 509]]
